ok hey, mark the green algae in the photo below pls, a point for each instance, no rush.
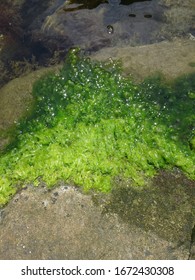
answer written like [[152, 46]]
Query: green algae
[[192, 64], [90, 125]]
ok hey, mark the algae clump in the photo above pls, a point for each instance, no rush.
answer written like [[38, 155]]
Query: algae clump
[[91, 125]]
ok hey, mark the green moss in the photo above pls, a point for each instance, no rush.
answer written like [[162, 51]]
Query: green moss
[[192, 64], [90, 125]]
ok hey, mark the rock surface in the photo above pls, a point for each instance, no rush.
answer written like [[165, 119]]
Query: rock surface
[[138, 23], [172, 59], [16, 101], [62, 24], [66, 224]]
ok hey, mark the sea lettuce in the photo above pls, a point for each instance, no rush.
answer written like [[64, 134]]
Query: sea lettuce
[[90, 125]]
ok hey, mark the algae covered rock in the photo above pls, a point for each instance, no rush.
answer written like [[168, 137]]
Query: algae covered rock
[[90, 125]]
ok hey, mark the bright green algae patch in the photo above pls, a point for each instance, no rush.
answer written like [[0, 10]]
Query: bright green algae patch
[[91, 125]]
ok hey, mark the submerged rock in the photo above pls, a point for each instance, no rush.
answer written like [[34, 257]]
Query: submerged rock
[[59, 25], [65, 26], [51, 27]]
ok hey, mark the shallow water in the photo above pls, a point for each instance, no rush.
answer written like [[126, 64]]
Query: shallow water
[[87, 4], [51, 28]]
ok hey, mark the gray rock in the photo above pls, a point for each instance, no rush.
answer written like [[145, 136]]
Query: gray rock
[[66, 224], [87, 28]]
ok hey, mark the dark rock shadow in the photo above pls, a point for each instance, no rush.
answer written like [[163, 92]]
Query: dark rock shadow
[[165, 207]]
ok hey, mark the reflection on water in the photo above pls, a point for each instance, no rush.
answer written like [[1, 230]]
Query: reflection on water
[[127, 2], [88, 4]]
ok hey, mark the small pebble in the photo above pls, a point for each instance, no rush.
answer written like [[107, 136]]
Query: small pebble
[[110, 29]]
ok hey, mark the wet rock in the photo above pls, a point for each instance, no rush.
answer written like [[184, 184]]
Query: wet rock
[[171, 59], [51, 27], [166, 207], [16, 101], [56, 25], [33, 227], [192, 247], [59, 25], [64, 27]]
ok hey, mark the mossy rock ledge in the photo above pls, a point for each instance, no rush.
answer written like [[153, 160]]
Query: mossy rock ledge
[[120, 142]]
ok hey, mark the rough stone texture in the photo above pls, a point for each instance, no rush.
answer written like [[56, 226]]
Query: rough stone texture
[[16, 100], [192, 249], [66, 224], [165, 206], [16, 96], [171, 59]]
